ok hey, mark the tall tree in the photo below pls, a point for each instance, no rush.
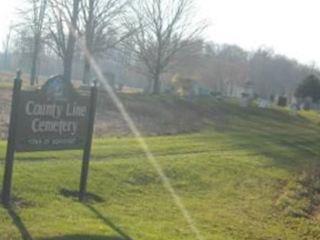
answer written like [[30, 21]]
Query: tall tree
[[63, 31], [34, 21], [101, 27], [310, 87], [72, 26], [163, 27], [6, 46]]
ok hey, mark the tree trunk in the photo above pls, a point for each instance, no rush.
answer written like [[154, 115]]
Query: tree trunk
[[67, 67], [68, 58], [33, 74], [86, 72], [6, 52], [147, 89], [156, 84], [88, 40]]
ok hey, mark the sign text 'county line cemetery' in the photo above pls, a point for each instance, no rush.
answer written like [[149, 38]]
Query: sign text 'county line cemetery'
[[55, 117]]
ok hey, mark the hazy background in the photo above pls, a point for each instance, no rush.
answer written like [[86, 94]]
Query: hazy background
[[290, 27]]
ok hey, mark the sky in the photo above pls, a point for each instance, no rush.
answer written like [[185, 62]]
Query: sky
[[290, 27]]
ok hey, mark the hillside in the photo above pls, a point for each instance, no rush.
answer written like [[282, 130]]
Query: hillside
[[243, 174], [162, 115]]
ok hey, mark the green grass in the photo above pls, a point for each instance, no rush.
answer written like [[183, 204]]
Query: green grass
[[6, 85], [239, 179]]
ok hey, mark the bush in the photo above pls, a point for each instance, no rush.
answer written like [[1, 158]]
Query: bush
[[310, 87]]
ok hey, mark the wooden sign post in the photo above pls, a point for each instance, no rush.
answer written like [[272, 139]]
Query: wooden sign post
[[57, 117], [88, 144], [7, 179]]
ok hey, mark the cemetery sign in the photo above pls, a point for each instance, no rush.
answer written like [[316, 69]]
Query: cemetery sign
[[55, 117], [52, 118]]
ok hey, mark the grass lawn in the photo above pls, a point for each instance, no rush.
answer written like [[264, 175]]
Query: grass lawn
[[246, 177]]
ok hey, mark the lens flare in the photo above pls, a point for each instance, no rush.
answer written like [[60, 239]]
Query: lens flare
[[138, 136]]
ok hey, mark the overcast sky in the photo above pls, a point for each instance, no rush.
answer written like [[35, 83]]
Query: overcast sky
[[290, 27]]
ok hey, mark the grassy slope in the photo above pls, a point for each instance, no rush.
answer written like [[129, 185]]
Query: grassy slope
[[230, 178]]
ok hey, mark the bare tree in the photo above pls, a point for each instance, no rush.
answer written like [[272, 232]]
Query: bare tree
[[21, 49], [164, 27], [101, 23], [34, 21], [6, 46], [64, 22]]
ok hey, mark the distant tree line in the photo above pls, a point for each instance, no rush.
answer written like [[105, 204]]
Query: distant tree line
[[222, 67], [148, 41], [309, 88], [146, 33]]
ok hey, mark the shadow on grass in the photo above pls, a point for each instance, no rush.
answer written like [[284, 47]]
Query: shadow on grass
[[83, 237], [284, 151], [108, 222], [289, 141], [93, 198], [19, 224], [25, 234], [90, 197]]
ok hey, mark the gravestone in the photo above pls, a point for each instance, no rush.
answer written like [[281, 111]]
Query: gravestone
[[282, 101]]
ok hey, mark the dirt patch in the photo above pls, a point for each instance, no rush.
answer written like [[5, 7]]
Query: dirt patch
[[18, 202], [302, 197], [5, 105], [152, 115]]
